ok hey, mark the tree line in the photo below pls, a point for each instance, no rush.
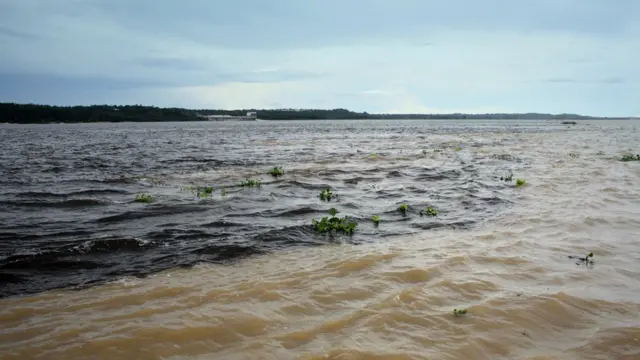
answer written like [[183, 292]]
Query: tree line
[[32, 113]]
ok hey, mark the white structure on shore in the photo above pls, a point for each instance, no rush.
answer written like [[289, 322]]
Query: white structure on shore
[[251, 116]]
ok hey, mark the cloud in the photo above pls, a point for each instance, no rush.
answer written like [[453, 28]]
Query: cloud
[[8, 32], [371, 55]]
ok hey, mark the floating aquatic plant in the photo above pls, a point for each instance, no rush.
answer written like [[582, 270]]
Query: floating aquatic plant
[[223, 191], [251, 183], [326, 195], [430, 211], [145, 198], [376, 220], [520, 182], [458, 148], [205, 192], [588, 260], [630, 157], [276, 171], [459, 312], [334, 224], [403, 208]]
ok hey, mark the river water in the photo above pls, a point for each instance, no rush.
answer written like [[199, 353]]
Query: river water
[[87, 272]]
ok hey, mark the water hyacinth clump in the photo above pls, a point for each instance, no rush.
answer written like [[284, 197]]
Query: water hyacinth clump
[[276, 171], [630, 157], [203, 192], [520, 182], [144, 198], [459, 312], [326, 195], [376, 220], [403, 208], [330, 224], [251, 183], [429, 211]]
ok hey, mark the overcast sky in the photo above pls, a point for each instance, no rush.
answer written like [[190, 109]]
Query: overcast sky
[[554, 56]]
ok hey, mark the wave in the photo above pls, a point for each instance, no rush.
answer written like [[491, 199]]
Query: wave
[[70, 203]]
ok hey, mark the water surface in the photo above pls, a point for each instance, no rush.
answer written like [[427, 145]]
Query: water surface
[[87, 272]]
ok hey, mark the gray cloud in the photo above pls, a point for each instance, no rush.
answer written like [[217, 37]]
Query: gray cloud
[[5, 31]]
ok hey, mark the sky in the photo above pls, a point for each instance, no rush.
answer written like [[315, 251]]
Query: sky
[[391, 56]]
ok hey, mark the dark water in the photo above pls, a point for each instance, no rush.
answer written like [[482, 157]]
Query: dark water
[[68, 216]]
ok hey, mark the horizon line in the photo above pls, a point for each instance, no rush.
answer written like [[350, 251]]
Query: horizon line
[[321, 109]]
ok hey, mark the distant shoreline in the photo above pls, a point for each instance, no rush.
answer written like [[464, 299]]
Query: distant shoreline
[[46, 114]]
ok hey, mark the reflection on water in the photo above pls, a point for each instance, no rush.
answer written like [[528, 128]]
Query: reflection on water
[[243, 276]]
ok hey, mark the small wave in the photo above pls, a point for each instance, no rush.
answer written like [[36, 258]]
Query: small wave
[[303, 185], [299, 211], [112, 244], [289, 236], [88, 192], [151, 211], [412, 276], [49, 261], [226, 252], [70, 203], [438, 225]]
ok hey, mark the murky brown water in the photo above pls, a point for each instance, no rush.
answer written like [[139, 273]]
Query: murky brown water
[[392, 298]]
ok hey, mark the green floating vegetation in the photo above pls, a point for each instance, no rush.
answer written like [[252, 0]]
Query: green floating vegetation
[[459, 312], [403, 208], [429, 211], [206, 192], [376, 220], [326, 195], [520, 182], [335, 224], [276, 171], [630, 157], [251, 183], [144, 198], [458, 148], [203, 192]]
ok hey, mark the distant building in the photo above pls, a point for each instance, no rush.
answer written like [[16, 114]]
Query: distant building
[[251, 116]]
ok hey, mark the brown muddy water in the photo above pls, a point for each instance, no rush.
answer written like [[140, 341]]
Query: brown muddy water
[[88, 273]]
